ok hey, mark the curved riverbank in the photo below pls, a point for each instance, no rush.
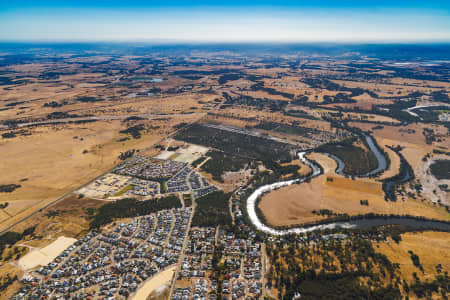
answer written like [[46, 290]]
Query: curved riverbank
[[382, 163], [357, 222], [406, 173]]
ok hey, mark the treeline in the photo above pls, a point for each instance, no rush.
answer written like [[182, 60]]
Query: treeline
[[326, 84], [212, 210], [131, 207], [293, 129], [6, 281], [438, 225], [259, 86], [134, 131], [87, 99], [198, 161], [61, 115], [127, 154], [9, 188], [55, 104], [228, 77], [259, 103]]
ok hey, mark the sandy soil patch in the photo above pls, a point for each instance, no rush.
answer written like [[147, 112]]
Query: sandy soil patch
[[45, 255], [186, 154], [165, 154], [194, 150], [160, 279], [233, 180], [431, 184], [185, 157]]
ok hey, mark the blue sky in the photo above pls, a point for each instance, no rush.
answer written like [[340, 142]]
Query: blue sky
[[225, 21]]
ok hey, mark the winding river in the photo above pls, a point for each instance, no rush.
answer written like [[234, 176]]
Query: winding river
[[352, 224], [382, 162], [387, 186]]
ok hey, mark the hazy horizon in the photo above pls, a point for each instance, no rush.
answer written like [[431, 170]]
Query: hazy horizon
[[225, 22]]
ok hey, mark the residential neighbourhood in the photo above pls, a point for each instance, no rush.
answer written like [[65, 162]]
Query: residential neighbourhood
[[217, 263], [113, 263], [146, 178]]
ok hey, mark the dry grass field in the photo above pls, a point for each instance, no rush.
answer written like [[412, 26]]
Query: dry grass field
[[12, 271], [387, 90], [68, 217], [140, 100], [55, 160], [433, 248]]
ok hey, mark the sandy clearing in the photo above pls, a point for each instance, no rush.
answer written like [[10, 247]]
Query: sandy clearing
[[160, 279], [195, 149], [186, 155], [185, 158], [165, 155], [431, 184], [42, 257]]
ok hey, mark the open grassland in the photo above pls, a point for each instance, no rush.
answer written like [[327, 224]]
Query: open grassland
[[411, 133], [399, 88], [432, 248], [54, 160], [70, 217], [295, 204]]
